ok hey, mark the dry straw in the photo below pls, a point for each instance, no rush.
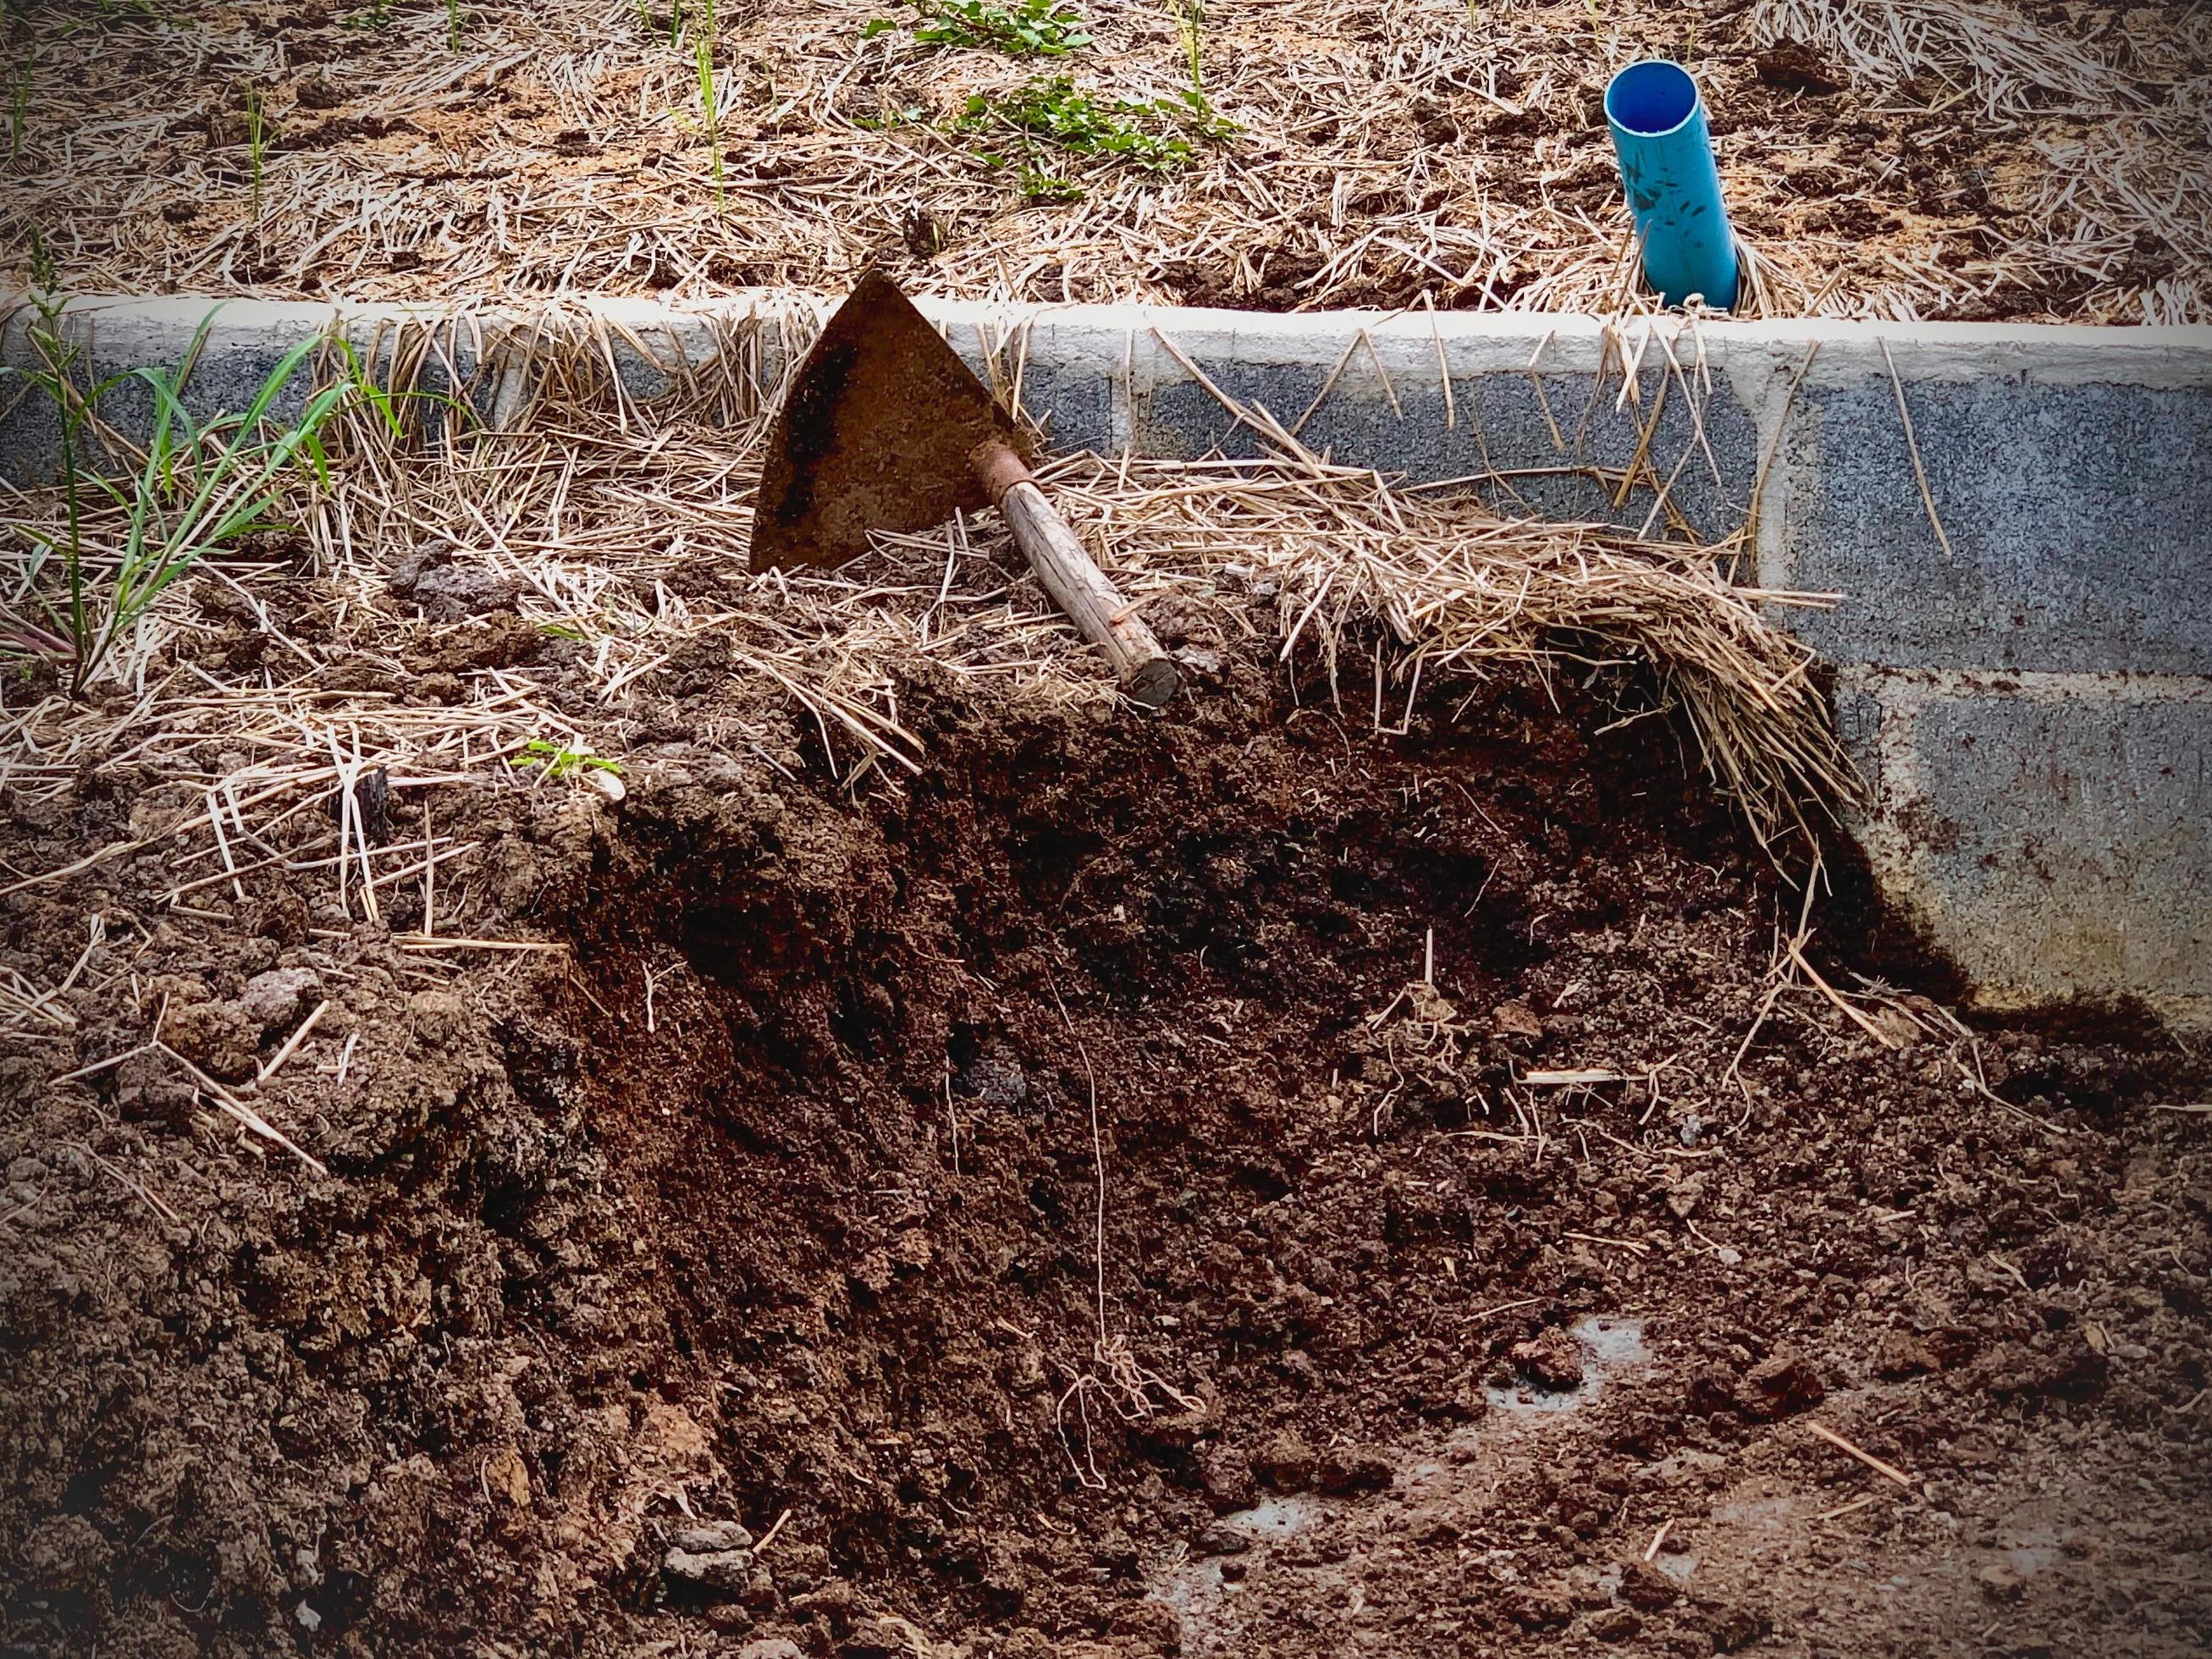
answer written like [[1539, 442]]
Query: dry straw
[[621, 529], [1450, 149]]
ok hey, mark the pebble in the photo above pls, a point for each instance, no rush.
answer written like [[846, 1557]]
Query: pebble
[[1218, 1540], [274, 998], [712, 1538], [730, 1571]]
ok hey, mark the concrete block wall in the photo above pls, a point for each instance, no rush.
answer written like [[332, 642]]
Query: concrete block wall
[[2028, 689]]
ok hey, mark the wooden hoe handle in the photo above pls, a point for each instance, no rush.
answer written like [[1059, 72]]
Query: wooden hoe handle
[[1147, 675]]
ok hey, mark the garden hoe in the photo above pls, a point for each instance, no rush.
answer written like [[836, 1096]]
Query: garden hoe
[[886, 429]]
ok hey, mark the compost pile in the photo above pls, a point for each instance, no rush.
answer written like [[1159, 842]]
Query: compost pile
[[1975, 161], [563, 1097]]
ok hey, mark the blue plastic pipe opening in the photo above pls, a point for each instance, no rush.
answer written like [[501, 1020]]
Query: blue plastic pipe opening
[[1666, 153]]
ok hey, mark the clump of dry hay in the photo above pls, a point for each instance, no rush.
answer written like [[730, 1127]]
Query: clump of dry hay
[[2114, 194], [623, 531], [1385, 156], [2009, 63]]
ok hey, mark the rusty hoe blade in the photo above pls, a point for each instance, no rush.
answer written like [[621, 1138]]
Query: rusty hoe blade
[[875, 435], [884, 428]]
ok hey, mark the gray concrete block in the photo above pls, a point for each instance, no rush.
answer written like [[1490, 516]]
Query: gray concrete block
[[1532, 435], [2079, 520], [2054, 833], [1075, 405]]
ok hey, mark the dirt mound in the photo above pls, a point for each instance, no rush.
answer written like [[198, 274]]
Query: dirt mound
[[1225, 1183]]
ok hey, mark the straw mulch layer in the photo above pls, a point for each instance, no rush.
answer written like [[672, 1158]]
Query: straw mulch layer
[[558, 1097], [624, 531], [1905, 158]]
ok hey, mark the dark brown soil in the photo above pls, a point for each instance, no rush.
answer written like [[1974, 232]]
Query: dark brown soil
[[776, 1203]]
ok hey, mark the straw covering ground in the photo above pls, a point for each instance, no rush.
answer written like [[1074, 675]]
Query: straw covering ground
[[624, 530], [1902, 159]]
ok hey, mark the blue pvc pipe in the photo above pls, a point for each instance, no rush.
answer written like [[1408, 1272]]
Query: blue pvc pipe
[[1666, 153]]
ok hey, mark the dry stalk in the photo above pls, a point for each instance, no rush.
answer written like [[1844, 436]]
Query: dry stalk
[[1433, 153]]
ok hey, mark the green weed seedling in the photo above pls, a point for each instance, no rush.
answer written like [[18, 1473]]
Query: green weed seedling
[[377, 14], [911, 115], [59, 362], [1029, 28], [1190, 21], [452, 25], [709, 112], [200, 488], [1048, 187], [392, 410], [555, 760], [1052, 111], [256, 138], [19, 107]]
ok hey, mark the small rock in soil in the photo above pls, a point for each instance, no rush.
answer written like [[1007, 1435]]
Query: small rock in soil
[[274, 999], [995, 1080], [1218, 1540], [770, 1647], [1553, 1360], [712, 1538], [507, 1476], [1227, 1476], [452, 591], [1515, 1019], [1285, 1463], [2000, 1583], [1780, 1385], [729, 1571], [1646, 1588], [1341, 1472], [410, 568]]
